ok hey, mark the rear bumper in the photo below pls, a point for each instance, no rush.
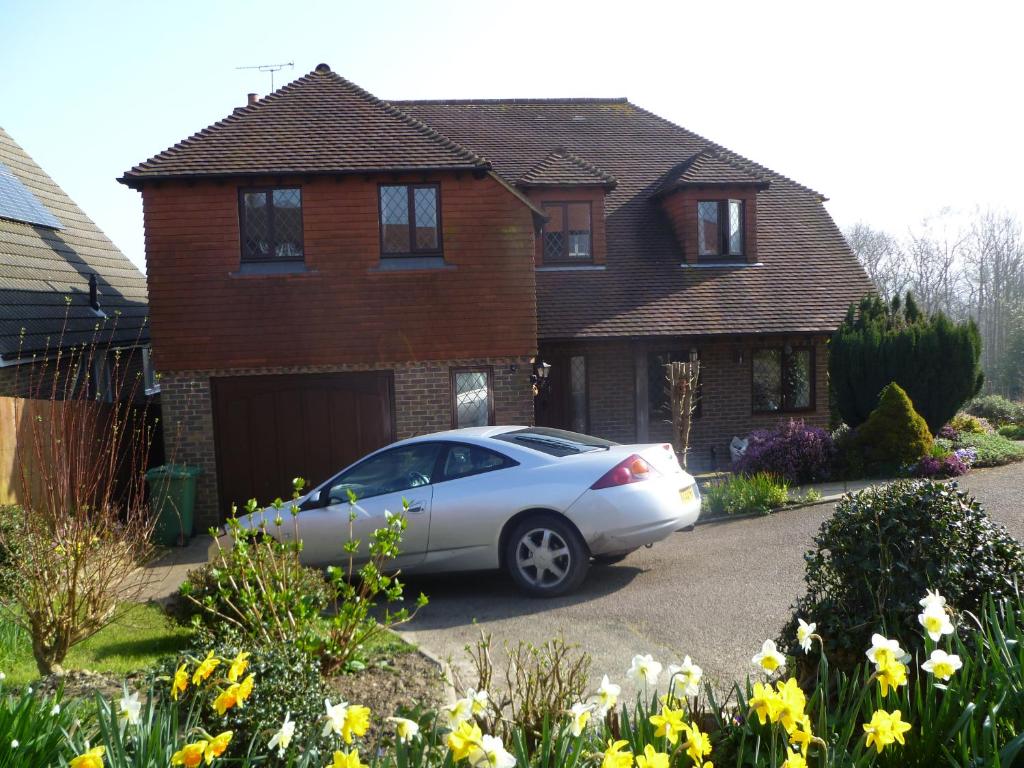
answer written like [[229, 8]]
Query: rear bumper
[[618, 520]]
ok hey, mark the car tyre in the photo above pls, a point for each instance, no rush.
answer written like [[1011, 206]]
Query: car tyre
[[546, 557]]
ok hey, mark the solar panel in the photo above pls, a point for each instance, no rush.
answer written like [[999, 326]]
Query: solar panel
[[18, 203]]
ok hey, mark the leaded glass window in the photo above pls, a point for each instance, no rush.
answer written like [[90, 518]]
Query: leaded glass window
[[410, 219], [719, 228], [782, 380], [567, 233], [578, 392], [472, 398], [707, 229], [271, 224]]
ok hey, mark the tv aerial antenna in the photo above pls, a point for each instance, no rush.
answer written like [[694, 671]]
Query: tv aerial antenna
[[271, 68]]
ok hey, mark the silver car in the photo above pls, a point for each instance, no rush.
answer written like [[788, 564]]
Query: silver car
[[540, 503]]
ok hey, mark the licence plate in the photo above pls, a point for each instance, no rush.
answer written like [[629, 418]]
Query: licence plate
[[686, 494]]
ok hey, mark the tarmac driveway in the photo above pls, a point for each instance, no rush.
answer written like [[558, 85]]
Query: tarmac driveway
[[715, 594]]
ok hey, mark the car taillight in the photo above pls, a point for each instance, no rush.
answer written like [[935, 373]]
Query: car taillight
[[631, 470]]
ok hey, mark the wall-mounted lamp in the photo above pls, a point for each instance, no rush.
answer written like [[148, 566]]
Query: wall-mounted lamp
[[539, 377]]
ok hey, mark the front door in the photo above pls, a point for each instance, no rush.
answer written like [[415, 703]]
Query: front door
[[562, 402]]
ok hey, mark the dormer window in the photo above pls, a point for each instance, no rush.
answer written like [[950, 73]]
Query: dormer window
[[719, 229], [567, 233]]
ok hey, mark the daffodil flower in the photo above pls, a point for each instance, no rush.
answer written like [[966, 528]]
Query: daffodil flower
[[477, 701], [769, 659], [685, 678], [790, 704], [616, 755], [669, 724], [644, 670], [892, 675], [180, 683], [794, 760], [129, 708], [697, 745], [651, 758], [284, 735], [347, 760], [883, 651], [464, 739], [191, 755], [764, 702], [607, 696], [406, 730], [238, 666], [457, 712], [579, 716], [357, 722], [491, 753], [335, 717], [932, 600], [936, 623], [885, 728], [802, 735], [942, 665], [91, 759], [205, 668], [217, 746], [803, 634]]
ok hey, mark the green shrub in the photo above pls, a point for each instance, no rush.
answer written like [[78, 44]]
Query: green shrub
[[9, 549], [741, 494], [992, 450], [1012, 431], [894, 434], [996, 408], [966, 423], [935, 360], [884, 547]]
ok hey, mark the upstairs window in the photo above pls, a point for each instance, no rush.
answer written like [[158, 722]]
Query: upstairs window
[[567, 232], [782, 380], [271, 222], [719, 228], [410, 220]]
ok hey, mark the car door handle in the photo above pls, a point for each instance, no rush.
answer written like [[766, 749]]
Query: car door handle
[[416, 509]]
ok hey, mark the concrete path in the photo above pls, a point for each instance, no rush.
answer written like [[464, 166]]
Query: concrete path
[[163, 577]]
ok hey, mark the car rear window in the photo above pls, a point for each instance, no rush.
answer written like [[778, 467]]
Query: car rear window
[[555, 442]]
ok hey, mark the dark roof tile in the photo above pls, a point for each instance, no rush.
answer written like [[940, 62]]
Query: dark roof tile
[[562, 168]]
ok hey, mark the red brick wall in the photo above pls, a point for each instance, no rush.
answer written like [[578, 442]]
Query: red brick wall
[[343, 309], [593, 195], [681, 208]]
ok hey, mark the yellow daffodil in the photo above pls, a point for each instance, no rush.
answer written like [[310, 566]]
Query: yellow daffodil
[[794, 760], [579, 716], [218, 744], [697, 744], [885, 728], [790, 704], [238, 666], [941, 664], [936, 623], [91, 759], [245, 689], [357, 722], [464, 739], [769, 659], [205, 668], [405, 729], [180, 683], [764, 702], [191, 755], [669, 724], [892, 675], [227, 699], [651, 758], [883, 651], [801, 735], [616, 755], [804, 631], [347, 760]]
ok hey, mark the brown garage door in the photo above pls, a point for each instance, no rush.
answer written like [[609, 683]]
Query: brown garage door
[[270, 429]]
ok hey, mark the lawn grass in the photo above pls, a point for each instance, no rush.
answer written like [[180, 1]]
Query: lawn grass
[[137, 639]]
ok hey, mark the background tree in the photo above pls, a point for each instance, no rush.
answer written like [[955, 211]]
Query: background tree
[[933, 359]]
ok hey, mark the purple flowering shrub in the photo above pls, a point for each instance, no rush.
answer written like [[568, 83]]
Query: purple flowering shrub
[[792, 451], [951, 464], [948, 433]]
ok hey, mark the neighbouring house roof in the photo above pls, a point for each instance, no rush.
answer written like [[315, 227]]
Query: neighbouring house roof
[[562, 168], [709, 168], [45, 265], [806, 276], [320, 123]]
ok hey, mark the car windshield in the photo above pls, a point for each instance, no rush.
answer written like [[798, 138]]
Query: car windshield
[[555, 442]]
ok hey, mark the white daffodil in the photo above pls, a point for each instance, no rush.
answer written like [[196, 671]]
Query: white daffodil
[[644, 670], [884, 651], [580, 714], [942, 664], [932, 600], [55, 710], [284, 735], [405, 729], [129, 708], [2, 677], [803, 634], [684, 679], [607, 696], [491, 754], [457, 713], [335, 717], [15, 744], [477, 701], [936, 622], [769, 659]]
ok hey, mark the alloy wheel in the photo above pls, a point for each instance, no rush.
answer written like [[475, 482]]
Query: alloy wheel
[[543, 558]]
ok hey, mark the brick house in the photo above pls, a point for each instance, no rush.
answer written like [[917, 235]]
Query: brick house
[[328, 272]]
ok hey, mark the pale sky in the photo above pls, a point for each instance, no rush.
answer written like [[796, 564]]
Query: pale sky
[[893, 110]]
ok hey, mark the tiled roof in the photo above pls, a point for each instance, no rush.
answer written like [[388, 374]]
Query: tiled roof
[[563, 168], [807, 274], [320, 123], [712, 169], [42, 268]]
